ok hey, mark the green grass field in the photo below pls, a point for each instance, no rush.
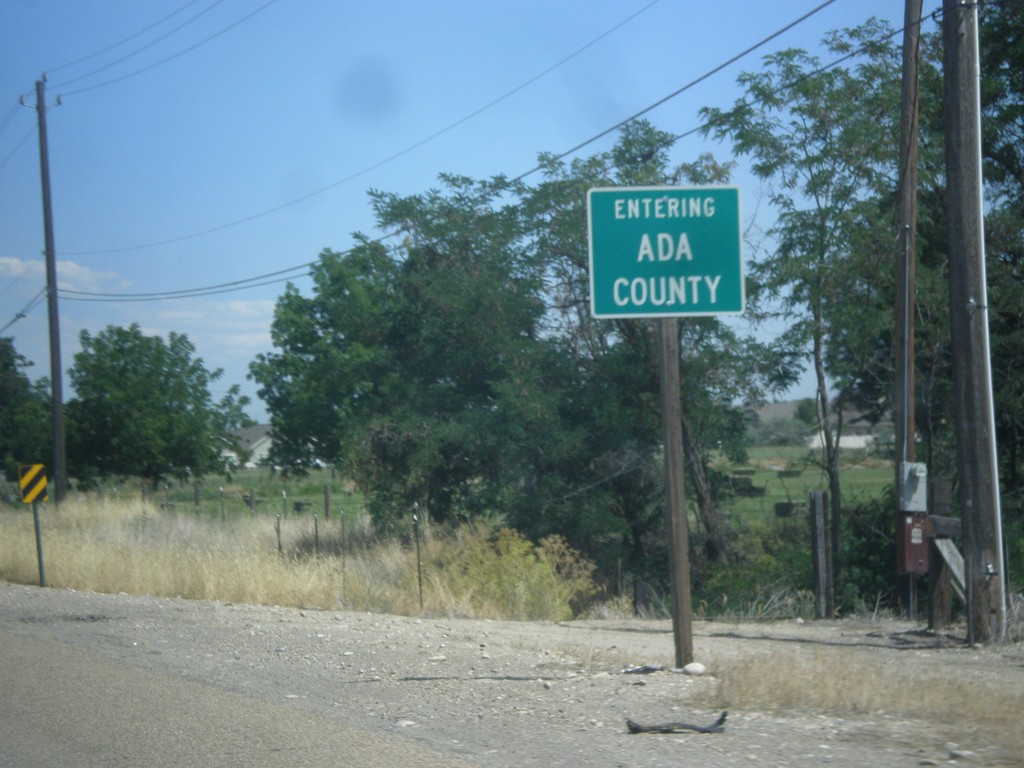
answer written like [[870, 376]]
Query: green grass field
[[788, 475]]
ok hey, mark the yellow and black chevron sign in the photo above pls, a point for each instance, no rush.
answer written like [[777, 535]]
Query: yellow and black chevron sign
[[32, 479]]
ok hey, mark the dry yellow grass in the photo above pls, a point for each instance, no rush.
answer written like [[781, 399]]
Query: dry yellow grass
[[125, 546], [121, 546], [118, 546], [875, 683]]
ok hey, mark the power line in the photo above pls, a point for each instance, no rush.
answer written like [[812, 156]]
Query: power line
[[250, 283], [193, 293], [813, 73], [378, 164], [322, 190], [21, 141], [33, 302], [683, 89], [187, 292], [167, 59], [16, 278], [9, 116], [208, 290], [131, 37], [13, 110]]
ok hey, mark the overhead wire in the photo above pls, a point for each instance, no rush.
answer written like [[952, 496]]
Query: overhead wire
[[13, 110], [187, 292], [853, 53], [7, 118], [167, 59], [677, 92], [696, 81], [190, 294], [28, 134], [128, 39], [5, 122], [208, 290], [261, 279], [380, 163], [25, 310]]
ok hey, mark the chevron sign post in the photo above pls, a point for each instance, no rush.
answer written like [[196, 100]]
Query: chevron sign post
[[32, 480]]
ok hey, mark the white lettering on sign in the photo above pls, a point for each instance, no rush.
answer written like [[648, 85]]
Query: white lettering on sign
[[666, 291], [664, 207], [668, 250]]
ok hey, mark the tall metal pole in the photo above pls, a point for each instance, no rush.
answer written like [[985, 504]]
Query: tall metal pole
[[671, 417], [977, 462], [60, 472]]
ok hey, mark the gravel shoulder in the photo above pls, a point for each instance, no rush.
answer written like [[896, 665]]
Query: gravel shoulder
[[516, 694]]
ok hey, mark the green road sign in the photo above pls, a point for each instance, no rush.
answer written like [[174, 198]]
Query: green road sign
[[665, 251]]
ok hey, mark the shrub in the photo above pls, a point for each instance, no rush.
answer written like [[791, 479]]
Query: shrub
[[505, 575], [770, 578], [111, 545]]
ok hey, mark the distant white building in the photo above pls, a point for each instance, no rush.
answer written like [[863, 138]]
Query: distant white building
[[858, 433], [255, 443], [817, 442]]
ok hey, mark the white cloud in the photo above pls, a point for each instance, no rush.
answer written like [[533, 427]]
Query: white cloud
[[19, 268], [72, 276], [234, 327]]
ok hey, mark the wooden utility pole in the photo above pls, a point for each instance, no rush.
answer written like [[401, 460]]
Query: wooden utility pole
[[977, 469], [60, 472], [906, 223], [906, 258], [675, 485]]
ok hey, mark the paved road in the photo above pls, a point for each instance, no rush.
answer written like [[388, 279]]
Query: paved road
[[62, 707]]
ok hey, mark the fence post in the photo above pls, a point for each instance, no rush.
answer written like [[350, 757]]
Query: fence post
[[819, 553], [39, 543], [419, 559], [940, 582]]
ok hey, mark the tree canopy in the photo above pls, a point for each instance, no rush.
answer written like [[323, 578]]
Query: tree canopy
[[142, 407], [458, 369], [24, 413]]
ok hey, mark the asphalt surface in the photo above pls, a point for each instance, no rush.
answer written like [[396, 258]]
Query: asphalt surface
[[89, 679], [64, 707]]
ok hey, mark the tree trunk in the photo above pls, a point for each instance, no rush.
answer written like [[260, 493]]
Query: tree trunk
[[716, 547], [830, 443]]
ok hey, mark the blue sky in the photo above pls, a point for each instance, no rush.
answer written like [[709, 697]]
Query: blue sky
[[206, 142]]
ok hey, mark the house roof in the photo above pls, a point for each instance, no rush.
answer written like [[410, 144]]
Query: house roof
[[251, 436], [852, 418], [773, 411]]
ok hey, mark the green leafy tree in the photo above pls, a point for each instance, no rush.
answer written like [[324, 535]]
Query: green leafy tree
[[720, 368], [332, 367], [458, 368], [24, 413], [142, 407], [400, 364], [824, 139]]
